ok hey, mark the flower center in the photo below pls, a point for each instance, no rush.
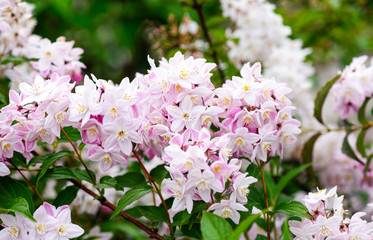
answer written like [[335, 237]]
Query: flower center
[[41, 228], [226, 213], [62, 230], [243, 190], [186, 116], [122, 135], [106, 159], [6, 147], [325, 230], [202, 184], [113, 112], [239, 142], [81, 108], [13, 231], [92, 131], [60, 117]]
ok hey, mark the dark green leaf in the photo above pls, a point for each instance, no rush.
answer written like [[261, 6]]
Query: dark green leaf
[[292, 208], [17, 205], [361, 112], [159, 173], [260, 237], [109, 182], [73, 134], [153, 213], [59, 172], [49, 160], [66, 196], [83, 175], [287, 178], [367, 164], [3, 100], [130, 196], [193, 230], [347, 149], [19, 160], [360, 142], [214, 227], [243, 227], [320, 98], [253, 170], [16, 60], [15, 197], [286, 235], [130, 179], [181, 218]]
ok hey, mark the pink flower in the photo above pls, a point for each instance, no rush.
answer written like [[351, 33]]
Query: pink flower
[[228, 209]]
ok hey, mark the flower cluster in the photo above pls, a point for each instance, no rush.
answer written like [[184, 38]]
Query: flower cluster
[[353, 86], [51, 223], [16, 25], [262, 36], [166, 113], [328, 221]]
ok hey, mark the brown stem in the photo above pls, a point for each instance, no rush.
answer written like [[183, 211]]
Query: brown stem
[[148, 176], [25, 169], [266, 200], [198, 7], [108, 204], [79, 156], [28, 182]]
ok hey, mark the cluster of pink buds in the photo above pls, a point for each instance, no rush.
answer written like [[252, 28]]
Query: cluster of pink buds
[[353, 86], [328, 221], [51, 223]]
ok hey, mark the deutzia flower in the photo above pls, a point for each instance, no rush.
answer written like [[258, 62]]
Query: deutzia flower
[[228, 209]]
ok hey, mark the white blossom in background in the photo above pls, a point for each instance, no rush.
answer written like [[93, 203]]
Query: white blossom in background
[[262, 37]]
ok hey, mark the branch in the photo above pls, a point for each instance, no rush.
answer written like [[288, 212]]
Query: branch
[[198, 7], [28, 182], [148, 176], [79, 157], [267, 205], [108, 204]]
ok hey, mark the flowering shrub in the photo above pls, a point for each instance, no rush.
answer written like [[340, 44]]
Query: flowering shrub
[[171, 153]]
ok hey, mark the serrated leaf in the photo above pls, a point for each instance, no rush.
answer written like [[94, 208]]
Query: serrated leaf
[[320, 98], [130, 196], [292, 208], [243, 227], [287, 178], [109, 182], [49, 160], [360, 142], [66, 196], [73, 134], [214, 227], [130, 179], [159, 173], [361, 113]]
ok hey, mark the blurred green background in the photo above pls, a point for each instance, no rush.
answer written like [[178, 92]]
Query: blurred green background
[[114, 33]]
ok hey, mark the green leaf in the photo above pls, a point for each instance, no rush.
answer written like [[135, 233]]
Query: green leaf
[[360, 142], [16, 60], [83, 175], [253, 170], [159, 173], [73, 134], [19, 160], [130, 196], [320, 98], [17, 205], [347, 149], [367, 164], [130, 179], [15, 197], [307, 151], [66, 196], [48, 161], [361, 113], [181, 218], [109, 182], [59, 172], [193, 230], [214, 227], [287, 178], [271, 186], [286, 235], [292, 208], [243, 227], [153, 213], [3, 100]]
